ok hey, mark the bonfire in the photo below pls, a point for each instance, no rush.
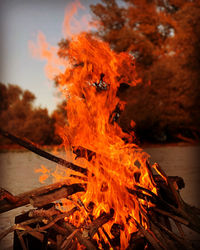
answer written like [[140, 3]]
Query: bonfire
[[109, 197]]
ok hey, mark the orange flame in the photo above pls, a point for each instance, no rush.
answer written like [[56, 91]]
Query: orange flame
[[44, 51], [71, 10], [45, 173], [90, 81]]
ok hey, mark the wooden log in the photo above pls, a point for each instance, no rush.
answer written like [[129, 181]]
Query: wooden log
[[56, 194], [90, 230], [43, 153], [46, 191], [47, 213]]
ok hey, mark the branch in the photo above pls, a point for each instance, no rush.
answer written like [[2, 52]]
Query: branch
[[43, 153]]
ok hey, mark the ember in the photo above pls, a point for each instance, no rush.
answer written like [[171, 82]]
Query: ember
[[112, 199]]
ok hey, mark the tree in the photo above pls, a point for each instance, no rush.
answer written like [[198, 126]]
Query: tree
[[20, 117], [164, 38]]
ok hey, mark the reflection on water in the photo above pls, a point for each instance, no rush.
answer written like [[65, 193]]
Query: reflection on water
[[17, 175]]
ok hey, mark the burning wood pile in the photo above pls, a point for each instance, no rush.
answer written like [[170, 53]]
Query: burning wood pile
[[113, 198]]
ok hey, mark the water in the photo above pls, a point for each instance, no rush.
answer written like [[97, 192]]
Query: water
[[18, 176]]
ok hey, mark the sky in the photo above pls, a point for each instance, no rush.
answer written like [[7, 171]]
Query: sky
[[20, 22]]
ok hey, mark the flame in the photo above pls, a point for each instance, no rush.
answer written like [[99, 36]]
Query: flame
[[44, 51], [69, 19], [90, 80], [45, 173], [91, 83]]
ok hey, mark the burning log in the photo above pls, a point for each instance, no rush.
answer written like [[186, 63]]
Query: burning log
[[91, 230]]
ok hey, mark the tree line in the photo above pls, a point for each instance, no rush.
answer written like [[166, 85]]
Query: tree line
[[164, 38], [19, 116]]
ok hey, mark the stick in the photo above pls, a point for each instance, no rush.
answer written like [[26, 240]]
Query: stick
[[59, 217], [82, 240], [68, 240], [174, 217], [43, 153], [25, 198], [92, 229]]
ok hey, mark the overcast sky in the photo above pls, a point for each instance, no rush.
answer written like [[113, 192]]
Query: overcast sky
[[20, 22]]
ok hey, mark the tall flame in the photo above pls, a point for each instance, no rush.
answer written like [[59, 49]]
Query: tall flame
[[90, 85], [90, 80]]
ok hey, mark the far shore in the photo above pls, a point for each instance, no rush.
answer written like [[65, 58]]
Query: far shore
[[18, 148]]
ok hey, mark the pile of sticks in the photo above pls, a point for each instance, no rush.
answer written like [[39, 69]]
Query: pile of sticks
[[51, 227]]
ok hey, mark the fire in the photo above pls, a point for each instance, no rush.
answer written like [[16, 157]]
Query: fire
[[90, 85], [90, 81], [45, 173]]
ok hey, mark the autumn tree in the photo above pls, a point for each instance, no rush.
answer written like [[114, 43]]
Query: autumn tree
[[164, 38], [19, 116]]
